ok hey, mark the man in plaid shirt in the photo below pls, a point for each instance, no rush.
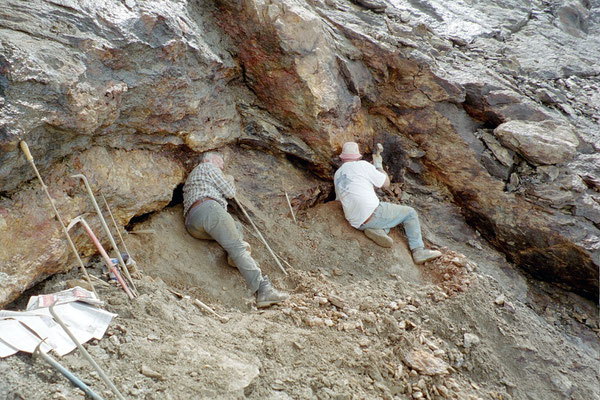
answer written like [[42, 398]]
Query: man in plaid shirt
[[205, 210]]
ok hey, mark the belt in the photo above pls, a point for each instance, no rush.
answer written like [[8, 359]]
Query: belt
[[198, 202], [367, 220]]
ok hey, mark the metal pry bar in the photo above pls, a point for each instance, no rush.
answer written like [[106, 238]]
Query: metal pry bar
[[57, 366], [107, 259], [25, 149], [87, 355], [260, 235], [117, 229], [106, 230], [291, 208]]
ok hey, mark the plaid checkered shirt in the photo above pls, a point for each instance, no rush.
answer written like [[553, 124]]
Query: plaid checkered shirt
[[206, 180]]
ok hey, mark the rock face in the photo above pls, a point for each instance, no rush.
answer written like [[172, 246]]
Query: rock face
[[33, 243], [495, 101]]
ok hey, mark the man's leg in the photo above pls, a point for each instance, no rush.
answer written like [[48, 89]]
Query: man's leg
[[211, 218], [389, 215], [217, 222], [379, 236], [193, 226], [240, 229]]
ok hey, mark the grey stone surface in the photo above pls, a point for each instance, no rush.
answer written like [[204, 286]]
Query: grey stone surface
[[541, 143]]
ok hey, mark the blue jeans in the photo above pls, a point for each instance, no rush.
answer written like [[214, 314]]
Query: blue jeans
[[210, 221], [389, 215]]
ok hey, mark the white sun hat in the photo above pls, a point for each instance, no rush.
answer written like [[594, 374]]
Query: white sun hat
[[350, 152]]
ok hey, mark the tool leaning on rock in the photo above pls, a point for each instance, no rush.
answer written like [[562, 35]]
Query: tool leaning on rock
[[260, 235], [25, 149], [107, 259], [124, 268]]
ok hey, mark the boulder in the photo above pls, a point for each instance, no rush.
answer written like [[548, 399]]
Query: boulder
[[540, 143], [426, 363]]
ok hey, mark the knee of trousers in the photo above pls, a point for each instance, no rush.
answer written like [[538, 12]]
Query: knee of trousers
[[412, 213]]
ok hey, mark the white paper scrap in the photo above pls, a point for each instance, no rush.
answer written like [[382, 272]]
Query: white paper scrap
[[66, 296], [18, 336], [6, 349], [84, 321], [45, 327], [23, 331]]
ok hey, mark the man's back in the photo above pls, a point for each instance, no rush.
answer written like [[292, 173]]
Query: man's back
[[354, 186], [206, 180]]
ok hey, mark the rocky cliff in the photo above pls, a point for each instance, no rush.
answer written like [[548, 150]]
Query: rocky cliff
[[493, 104]]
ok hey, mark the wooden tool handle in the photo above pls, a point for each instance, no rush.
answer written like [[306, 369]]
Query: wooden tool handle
[[25, 149]]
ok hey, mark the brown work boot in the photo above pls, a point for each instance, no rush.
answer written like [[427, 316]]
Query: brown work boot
[[267, 295], [230, 260], [421, 255], [379, 236]]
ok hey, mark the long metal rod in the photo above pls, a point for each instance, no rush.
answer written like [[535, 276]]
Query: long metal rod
[[260, 235], [104, 255], [87, 355], [254, 236], [25, 149], [106, 230], [57, 366], [290, 205], [117, 229]]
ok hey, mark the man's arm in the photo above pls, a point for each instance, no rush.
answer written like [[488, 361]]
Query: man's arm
[[378, 164], [224, 185], [386, 184]]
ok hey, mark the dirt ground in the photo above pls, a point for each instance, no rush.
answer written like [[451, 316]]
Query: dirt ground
[[362, 322]]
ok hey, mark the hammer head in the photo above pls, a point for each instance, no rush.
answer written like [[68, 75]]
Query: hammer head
[[74, 221], [38, 349]]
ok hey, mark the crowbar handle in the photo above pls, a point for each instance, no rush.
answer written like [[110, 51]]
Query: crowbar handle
[[260, 235], [86, 355], [107, 259], [57, 366], [25, 149], [106, 230]]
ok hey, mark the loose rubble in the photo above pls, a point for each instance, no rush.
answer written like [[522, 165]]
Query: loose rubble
[[347, 331]]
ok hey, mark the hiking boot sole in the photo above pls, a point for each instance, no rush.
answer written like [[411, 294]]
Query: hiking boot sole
[[269, 303], [382, 240], [419, 261]]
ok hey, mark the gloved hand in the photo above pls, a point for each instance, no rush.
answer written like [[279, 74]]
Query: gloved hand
[[230, 179], [377, 161]]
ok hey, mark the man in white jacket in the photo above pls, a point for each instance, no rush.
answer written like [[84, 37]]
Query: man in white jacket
[[355, 182]]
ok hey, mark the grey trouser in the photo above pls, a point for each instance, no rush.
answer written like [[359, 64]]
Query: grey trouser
[[209, 220]]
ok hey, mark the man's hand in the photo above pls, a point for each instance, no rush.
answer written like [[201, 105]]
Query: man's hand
[[377, 159], [230, 179]]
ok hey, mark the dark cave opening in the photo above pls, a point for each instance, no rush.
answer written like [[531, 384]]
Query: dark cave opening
[[177, 196], [176, 199]]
